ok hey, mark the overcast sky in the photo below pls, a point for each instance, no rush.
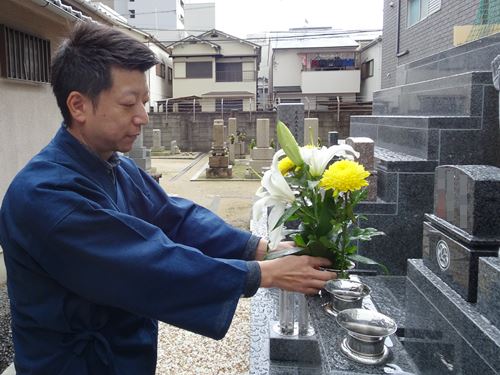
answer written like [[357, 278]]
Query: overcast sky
[[242, 17]]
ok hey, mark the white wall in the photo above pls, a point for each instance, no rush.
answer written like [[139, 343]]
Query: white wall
[[286, 67], [158, 87], [331, 81], [374, 83]]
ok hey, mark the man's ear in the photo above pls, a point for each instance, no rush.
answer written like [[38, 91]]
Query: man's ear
[[79, 106]]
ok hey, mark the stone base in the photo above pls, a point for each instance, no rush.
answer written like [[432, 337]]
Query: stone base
[[292, 348], [454, 262], [257, 165], [143, 163], [219, 172], [488, 292], [260, 153], [218, 161]]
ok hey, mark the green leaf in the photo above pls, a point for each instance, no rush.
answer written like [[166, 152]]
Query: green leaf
[[365, 260], [299, 241], [289, 144], [284, 252], [364, 234], [286, 215]]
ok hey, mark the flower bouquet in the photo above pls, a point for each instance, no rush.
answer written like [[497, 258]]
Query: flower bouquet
[[319, 188]]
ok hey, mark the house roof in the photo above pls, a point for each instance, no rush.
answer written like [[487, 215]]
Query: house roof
[[216, 33], [193, 39]]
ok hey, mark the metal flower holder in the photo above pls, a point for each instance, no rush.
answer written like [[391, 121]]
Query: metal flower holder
[[293, 314]]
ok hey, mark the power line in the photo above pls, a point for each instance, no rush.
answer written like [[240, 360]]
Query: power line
[[166, 11]]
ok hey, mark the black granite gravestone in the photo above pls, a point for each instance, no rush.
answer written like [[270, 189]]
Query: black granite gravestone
[[465, 224]]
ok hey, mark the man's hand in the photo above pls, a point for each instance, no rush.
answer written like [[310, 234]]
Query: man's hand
[[295, 273], [262, 248]]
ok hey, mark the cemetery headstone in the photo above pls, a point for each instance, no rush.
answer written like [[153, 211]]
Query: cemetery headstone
[[218, 161], [311, 130], [292, 114], [366, 147], [140, 154], [157, 141], [261, 156]]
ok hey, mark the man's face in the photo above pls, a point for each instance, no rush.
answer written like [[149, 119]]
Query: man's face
[[119, 115]]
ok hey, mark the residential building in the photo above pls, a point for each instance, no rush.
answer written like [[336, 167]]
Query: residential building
[[168, 20], [218, 68], [199, 17], [414, 29], [318, 71], [371, 69], [30, 31], [162, 18]]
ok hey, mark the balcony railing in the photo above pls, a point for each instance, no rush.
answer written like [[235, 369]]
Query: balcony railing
[[238, 76]]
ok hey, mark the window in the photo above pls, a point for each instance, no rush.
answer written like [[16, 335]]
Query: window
[[160, 70], [228, 72], [169, 77], [132, 13], [199, 69], [367, 69], [420, 9], [24, 56], [229, 105]]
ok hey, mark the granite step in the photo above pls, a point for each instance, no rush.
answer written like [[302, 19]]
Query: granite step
[[473, 56], [445, 139], [488, 292], [464, 340], [455, 95]]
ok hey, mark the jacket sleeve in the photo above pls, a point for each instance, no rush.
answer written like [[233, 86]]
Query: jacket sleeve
[[193, 225], [119, 260]]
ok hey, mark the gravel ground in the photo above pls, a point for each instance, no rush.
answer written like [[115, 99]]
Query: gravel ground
[[184, 353], [6, 349]]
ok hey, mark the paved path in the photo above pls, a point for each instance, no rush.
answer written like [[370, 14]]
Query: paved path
[[181, 352]]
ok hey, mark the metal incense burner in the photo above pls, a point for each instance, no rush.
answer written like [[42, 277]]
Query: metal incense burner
[[366, 333], [345, 294]]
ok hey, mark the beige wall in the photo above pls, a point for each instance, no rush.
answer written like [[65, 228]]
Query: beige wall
[[29, 113]]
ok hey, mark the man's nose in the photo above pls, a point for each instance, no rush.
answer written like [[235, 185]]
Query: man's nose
[[142, 117]]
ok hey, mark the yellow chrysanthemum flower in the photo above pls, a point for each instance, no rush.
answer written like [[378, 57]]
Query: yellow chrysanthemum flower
[[344, 175], [285, 165]]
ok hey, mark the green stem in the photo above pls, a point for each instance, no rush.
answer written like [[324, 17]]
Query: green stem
[[345, 236]]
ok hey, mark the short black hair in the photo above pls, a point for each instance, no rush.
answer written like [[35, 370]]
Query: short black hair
[[84, 60]]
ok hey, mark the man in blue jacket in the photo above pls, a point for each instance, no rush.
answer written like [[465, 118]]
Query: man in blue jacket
[[96, 252]]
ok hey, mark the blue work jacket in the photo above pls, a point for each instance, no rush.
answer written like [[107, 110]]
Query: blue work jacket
[[96, 254]]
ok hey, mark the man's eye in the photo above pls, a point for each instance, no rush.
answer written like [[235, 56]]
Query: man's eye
[[128, 104]]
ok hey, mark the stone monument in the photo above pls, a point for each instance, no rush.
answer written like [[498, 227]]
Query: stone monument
[[231, 134], [140, 154], [292, 114], [311, 129], [218, 161], [365, 146], [261, 155], [157, 147]]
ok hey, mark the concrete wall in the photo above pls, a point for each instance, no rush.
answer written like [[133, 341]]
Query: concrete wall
[[427, 37], [196, 134], [287, 66]]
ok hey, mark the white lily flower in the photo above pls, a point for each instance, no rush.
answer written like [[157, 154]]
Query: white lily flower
[[274, 193], [318, 158]]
